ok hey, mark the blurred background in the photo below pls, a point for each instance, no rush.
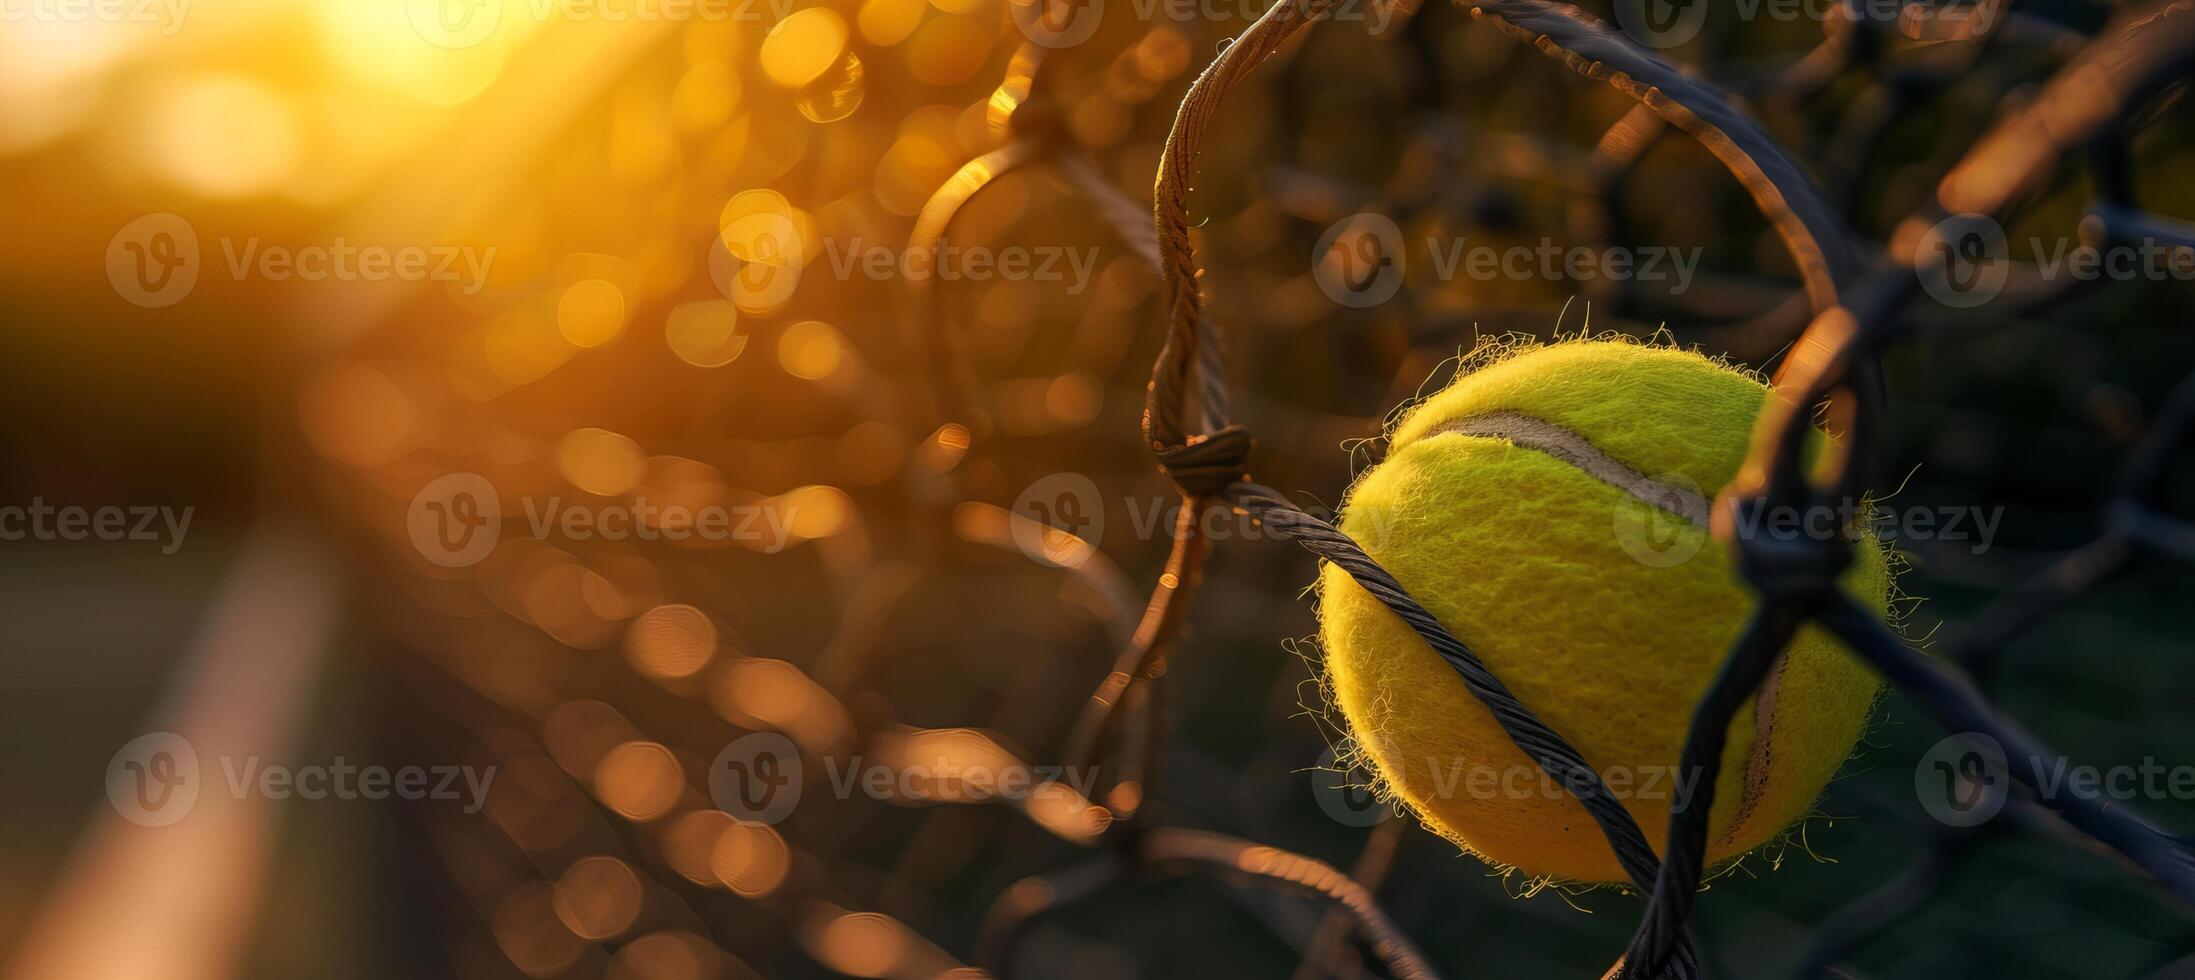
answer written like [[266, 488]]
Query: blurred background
[[271, 269]]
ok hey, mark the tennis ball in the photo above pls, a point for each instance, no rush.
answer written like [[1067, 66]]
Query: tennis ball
[[1547, 509]]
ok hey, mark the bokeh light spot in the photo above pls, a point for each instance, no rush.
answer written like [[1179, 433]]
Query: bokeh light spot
[[600, 461], [803, 46], [590, 312]]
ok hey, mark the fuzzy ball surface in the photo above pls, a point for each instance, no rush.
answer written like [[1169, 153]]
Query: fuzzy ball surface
[[1549, 508]]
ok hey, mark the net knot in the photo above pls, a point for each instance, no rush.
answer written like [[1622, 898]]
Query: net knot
[[1208, 464], [1785, 560]]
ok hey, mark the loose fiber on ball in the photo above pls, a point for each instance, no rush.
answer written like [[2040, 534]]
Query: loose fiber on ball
[[1549, 508]]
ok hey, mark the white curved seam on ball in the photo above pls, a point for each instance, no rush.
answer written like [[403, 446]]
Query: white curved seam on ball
[[1578, 451]]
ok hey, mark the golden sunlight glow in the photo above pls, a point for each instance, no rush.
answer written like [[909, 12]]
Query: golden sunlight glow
[[379, 44], [223, 135]]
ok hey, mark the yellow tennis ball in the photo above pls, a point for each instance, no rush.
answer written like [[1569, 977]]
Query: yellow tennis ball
[[1549, 509]]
